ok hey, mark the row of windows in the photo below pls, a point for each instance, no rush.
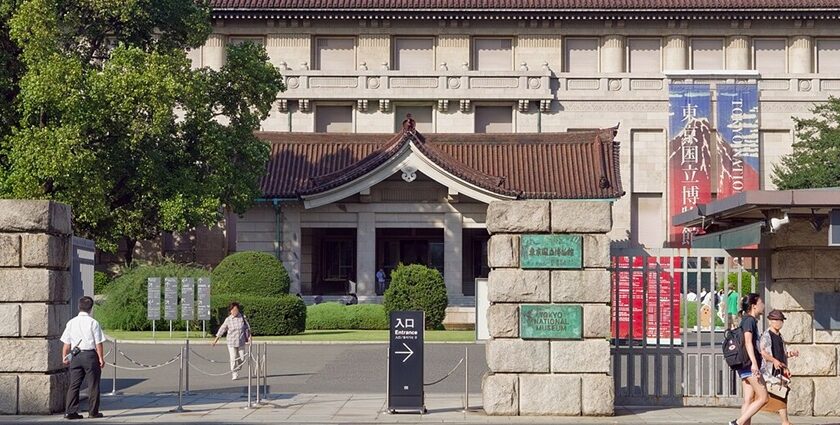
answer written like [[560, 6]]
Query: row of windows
[[580, 55], [488, 118]]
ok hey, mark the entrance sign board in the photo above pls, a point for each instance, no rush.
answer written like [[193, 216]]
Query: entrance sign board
[[548, 321], [187, 298], [153, 298], [551, 252], [405, 361], [170, 298], [203, 298]]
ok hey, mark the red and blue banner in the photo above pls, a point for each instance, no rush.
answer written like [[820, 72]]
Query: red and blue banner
[[737, 144], [689, 154]]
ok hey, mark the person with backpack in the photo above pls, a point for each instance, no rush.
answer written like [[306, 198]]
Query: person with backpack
[[755, 393]]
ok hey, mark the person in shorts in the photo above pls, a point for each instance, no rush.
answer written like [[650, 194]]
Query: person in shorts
[[755, 393]]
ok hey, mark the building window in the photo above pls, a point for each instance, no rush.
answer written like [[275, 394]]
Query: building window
[[581, 55], [770, 56], [647, 225], [335, 54], [338, 256], [493, 119], [707, 53], [333, 119], [493, 54], [414, 54], [644, 55], [422, 115], [828, 56], [236, 40]]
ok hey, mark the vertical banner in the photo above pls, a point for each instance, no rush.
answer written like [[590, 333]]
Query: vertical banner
[[737, 142], [689, 154]]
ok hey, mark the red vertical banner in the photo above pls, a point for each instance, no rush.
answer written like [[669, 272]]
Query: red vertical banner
[[689, 154], [646, 304]]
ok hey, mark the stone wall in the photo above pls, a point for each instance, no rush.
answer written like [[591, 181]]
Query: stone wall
[[548, 377], [804, 265], [35, 280]]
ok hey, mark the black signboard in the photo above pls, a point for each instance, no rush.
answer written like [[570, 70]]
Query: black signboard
[[405, 361], [170, 298], [187, 298], [153, 298], [204, 298]]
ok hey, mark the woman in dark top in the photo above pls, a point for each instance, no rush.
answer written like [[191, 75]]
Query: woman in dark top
[[755, 393], [774, 369]]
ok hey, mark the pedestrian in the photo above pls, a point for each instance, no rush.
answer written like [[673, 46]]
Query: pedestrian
[[238, 333], [732, 302], [380, 281], [691, 296], [82, 352], [755, 393], [774, 370]]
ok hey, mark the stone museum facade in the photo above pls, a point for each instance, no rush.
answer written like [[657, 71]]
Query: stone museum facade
[[481, 74]]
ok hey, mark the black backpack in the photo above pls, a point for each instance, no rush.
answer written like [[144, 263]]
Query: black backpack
[[734, 351]]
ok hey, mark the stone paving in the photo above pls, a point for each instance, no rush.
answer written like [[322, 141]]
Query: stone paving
[[211, 407]]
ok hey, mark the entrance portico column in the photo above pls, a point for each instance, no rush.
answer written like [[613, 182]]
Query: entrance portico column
[[453, 240], [366, 254]]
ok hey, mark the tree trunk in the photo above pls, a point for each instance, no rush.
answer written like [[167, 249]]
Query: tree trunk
[[129, 250]]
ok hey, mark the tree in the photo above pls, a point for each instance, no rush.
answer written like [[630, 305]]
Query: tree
[[113, 121], [815, 161]]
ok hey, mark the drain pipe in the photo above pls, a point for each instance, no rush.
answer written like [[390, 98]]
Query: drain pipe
[[278, 228]]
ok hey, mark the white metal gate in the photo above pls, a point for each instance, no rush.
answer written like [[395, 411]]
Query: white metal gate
[[673, 357]]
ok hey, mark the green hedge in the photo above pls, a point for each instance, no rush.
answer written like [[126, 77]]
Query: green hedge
[[250, 273], [329, 316], [691, 306], [100, 282], [746, 283], [278, 315], [124, 307], [417, 287]]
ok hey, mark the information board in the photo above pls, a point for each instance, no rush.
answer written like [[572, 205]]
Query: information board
[[204, 298], [187, 298], [153, 298], [405, 361], [551, 252], [551, 321], [170, 298]]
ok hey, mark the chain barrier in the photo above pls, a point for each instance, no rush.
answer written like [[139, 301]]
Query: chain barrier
[[445, 376], [144, 366]]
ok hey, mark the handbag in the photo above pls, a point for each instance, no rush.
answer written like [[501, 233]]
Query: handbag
[[778, 390]]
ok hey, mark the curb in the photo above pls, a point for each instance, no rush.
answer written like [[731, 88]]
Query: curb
[[202, 342]]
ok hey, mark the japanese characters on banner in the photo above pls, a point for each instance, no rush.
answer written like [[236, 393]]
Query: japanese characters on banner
[[689, 154], [737, 144], [661, 298]]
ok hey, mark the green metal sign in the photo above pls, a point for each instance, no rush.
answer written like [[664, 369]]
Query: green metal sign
[[551, 321], [551, 252]]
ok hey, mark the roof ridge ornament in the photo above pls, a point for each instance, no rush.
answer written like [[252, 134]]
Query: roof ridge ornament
[[408, 124]]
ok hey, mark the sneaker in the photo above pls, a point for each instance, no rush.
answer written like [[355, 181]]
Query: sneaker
[[72, 416], [234, 376], [95, 415], [735, 422]]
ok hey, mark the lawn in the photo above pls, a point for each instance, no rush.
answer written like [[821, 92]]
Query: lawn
[[315, 336]]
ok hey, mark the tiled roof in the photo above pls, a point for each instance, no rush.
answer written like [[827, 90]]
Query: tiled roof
[[524, 4], [580, 165]]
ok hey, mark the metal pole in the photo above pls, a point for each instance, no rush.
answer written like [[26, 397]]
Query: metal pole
[[466, 379], [170, 329], [114, 380], [388, 380], [265, 370], [249, 405], [188, 331], [203, 329], [257, 373], [180, 407], [187, 369], [153, 329]]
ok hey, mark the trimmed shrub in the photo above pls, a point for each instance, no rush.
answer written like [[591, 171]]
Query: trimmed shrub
[[100, 281], [251, 273], [746, 282], [124, 307], [279, 315], [417, 287], [330, 316]]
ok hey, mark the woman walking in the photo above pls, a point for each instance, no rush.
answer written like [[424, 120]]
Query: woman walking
[[755, 393], [238, 335], [775, 370]]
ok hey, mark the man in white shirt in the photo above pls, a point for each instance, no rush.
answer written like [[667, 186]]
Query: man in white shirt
[[83, 332]]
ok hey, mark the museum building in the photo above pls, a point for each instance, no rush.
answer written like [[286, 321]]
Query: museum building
[[510, 100]]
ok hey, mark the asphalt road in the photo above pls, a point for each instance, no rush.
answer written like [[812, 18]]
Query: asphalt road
[[296, 368]]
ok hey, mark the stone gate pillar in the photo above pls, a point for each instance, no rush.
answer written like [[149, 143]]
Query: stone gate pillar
[[34, 295], [549, 317]]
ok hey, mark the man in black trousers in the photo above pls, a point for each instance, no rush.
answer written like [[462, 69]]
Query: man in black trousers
[[82, 351]]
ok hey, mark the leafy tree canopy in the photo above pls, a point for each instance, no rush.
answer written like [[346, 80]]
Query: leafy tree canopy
[[112, 120], [815, 161]]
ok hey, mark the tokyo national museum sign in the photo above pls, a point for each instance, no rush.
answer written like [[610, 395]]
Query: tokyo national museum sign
[[551, 252], [551, 321]]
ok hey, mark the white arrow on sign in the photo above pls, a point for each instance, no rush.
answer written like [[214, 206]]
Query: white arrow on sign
[[409, 352]]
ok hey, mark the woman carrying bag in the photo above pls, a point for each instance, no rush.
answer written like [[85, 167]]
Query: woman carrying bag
[[774, 370]]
